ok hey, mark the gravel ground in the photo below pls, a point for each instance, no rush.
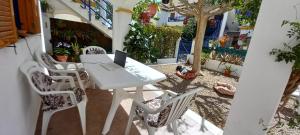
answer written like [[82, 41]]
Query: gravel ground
[[211, 105]]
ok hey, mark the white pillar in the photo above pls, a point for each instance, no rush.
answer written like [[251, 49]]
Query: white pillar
[[223, 26], [177, 47], [46, 32], [263, 80], [121, 21]]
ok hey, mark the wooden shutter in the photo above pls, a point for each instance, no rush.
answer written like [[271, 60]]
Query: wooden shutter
[[8, 33], [29, 16]]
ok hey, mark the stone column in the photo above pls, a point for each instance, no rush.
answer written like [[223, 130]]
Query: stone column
[[121, 19], [263, 80]]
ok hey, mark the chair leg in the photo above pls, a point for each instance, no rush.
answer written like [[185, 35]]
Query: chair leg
[[92, 84], [174, 127], [130, 120], [117, 98], [46, 119], [150, 129], [82, 113]]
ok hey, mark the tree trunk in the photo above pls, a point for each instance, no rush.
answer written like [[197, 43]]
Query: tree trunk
[[291, 87], [293, 83], [199, 39]]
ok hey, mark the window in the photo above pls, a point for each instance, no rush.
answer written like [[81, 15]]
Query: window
[[18, 18]]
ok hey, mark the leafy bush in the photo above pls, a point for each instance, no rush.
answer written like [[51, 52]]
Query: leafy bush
[[204, 57], [148, 43], [190, 29], [165, 40], [139, 43]]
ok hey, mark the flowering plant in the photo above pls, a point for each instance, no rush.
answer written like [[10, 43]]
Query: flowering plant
[[247, 11]]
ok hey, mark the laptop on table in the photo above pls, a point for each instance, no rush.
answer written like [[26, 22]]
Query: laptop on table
[[119, 61]]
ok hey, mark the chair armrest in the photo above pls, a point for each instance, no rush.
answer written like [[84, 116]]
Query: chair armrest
[[66, 64], [168, 92], [64, 78], [70, 93], [143, 106], [65, 72]]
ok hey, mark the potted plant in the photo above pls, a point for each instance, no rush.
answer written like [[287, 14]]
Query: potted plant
[[152, 9], [76, 49], [61, 54], [44, 6], [228, 70], [165, 1]]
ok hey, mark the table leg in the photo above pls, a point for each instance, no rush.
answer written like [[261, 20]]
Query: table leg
[[139, 93], [117, 98]]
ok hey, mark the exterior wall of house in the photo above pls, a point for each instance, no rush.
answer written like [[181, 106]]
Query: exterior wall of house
[[263, 80], [231, 23], [19, 104], [164, 17]]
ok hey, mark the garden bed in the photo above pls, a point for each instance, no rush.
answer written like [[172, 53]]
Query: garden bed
[[211, 105]]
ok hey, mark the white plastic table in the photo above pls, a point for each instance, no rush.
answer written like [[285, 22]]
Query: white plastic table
[[135, 74]]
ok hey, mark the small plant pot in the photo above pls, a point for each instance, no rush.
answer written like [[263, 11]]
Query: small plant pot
[[77, 1], [227, 73], [152, 9], [62, 58]]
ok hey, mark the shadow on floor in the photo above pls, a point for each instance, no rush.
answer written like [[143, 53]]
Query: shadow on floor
[[214, 107], [177, 84], [67, 122]]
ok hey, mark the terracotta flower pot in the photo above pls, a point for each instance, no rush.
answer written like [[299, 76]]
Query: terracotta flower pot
[[227, 73], [165, 1], [145, 17], [152, 9], [62, 58]]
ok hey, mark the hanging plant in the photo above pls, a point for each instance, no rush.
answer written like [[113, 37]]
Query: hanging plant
[[140, 7], [152, 9]]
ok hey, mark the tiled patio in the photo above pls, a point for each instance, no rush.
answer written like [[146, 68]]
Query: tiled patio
[[99, 101], [68, 122]]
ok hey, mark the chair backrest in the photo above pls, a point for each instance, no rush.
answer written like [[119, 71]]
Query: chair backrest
[[178, 105], [45, 60], [38, 80], [93, 50]]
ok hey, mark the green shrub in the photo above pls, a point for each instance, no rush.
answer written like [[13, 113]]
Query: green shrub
[[165, 40], [148, 43], [204, 57], [190, 29]]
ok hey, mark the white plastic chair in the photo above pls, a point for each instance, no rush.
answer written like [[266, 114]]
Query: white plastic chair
[[58, 93], [93, 50], [161, 111], [56, 68]]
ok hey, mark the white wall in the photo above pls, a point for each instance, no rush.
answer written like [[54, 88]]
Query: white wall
[[19, 104], [263, 80], [163, 17], [46, 31], [231, 23], [59, 8]]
